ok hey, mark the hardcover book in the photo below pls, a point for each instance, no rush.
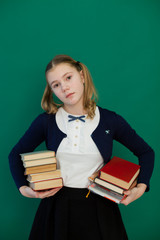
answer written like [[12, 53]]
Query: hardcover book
[[37, 155], [115, 197], [119, 172], [44, 176], [39, 162], [41, 168], [47, 184], [113, 187], [38, 169]]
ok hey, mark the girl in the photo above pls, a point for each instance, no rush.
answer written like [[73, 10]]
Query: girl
[[81, 133]]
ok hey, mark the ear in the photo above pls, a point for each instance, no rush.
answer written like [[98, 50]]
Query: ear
[[82, 76]]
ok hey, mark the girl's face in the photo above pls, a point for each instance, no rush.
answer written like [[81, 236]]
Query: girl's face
[[68, 85]]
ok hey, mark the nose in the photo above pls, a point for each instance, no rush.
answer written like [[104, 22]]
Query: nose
[[64, 86]]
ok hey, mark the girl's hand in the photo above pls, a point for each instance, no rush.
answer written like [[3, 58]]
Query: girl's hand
[[134, 193], [30, 193]]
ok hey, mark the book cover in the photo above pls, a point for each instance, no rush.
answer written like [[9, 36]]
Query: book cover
[[120, 172]]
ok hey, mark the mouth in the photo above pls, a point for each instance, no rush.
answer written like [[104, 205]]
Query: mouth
[[70, 94]]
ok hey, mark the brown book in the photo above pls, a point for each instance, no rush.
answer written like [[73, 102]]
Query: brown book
[[38, 169], [94, 178], [44, 176], [47, 184], [38, 162], [112, 186], [37, 155]]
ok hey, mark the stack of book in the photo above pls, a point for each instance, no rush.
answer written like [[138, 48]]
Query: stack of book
[[41, 168], [114, 178]]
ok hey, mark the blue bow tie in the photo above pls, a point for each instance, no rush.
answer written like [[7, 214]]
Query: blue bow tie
[[72, 118]]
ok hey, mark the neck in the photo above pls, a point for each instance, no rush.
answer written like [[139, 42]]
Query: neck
[[74, 110]]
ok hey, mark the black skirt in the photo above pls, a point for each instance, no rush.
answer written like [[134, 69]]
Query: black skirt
[[69, 215]]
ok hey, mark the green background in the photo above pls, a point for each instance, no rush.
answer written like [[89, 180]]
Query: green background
[[119, 42]]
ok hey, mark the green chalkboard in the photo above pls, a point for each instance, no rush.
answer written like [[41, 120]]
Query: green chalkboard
[[119, 42]]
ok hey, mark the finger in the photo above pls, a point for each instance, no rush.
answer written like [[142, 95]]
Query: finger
[[127, 192], [48, 190], [126, 201], [30, 192], [53, 193], [47, 193], [54, 189]]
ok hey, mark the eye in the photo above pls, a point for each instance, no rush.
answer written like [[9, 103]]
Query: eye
[[55, 85], [69, 77]]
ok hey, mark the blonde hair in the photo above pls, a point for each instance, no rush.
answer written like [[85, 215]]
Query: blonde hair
[[90, 94]]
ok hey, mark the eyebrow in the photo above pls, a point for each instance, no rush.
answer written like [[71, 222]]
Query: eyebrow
[[62, 77]]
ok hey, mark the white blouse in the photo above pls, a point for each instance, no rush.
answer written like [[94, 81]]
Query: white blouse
[[77, 155]]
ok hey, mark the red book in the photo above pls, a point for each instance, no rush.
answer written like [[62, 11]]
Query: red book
[[120, 172]]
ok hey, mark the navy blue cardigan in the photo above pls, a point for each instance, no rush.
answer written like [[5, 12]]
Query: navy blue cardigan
[[111, 127]]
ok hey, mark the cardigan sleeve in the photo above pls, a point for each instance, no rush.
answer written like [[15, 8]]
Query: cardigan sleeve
[[33, 137], [126, 135]]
